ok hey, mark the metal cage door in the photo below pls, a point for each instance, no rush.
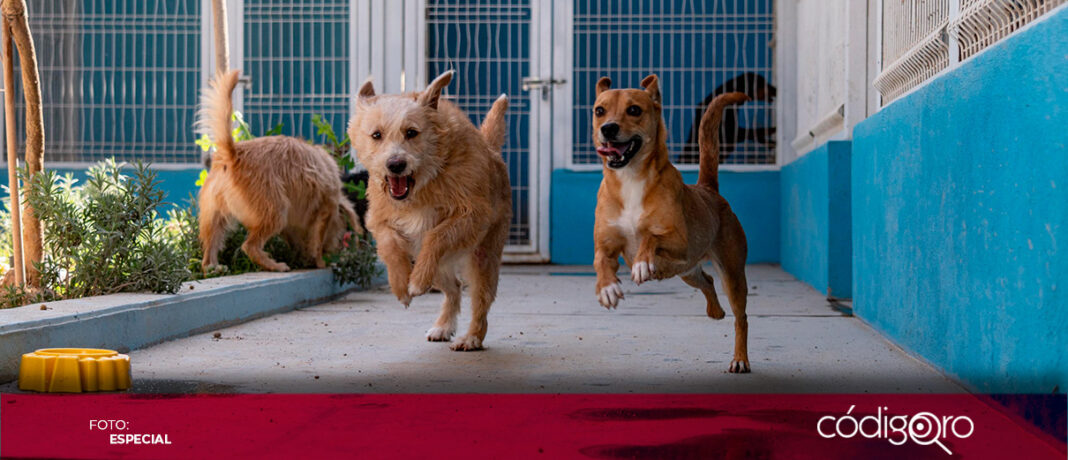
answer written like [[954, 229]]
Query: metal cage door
[[502, 47]]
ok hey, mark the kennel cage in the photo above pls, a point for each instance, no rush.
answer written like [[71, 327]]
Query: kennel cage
[[121, 78]]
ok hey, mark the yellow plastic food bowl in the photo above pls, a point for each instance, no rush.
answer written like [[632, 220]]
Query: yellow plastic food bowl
[[74, 370]]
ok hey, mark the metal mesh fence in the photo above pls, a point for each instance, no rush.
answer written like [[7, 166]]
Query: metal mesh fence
[[488, 44], [698, 49], [119, 78], [297, 57], [917, 34], [984, 22], [905, 24]]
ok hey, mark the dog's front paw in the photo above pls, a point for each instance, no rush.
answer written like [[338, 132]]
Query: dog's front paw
[[739, 366], [610, 295], [402, 296], [420, 280], [642, 272], [466, 343], [440, 334], [416, 290], [278, 267]]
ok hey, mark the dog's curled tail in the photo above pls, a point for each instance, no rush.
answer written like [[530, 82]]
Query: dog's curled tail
[[494, 127], [216, 113], [708, 138]]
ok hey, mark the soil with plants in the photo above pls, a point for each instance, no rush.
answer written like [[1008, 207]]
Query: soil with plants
[[115, 232]]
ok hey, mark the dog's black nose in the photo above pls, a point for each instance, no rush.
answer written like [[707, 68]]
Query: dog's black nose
[[396, 165], [609, 130]]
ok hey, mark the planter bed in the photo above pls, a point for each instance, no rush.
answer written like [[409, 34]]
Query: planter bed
[[134, 320]]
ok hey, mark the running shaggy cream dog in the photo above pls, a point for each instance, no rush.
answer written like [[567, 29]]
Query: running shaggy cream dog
[[439, 196]]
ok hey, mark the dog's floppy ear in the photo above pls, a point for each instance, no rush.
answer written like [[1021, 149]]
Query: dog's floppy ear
[[432, 93], [652, 87], [603, 85], [367, 89]]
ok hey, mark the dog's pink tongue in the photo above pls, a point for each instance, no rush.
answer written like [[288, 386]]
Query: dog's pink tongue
[[609, 150], [398, 186]]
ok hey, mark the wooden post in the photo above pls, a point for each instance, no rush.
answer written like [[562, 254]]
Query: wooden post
[[14, 12], [12, 151], [222, 37]]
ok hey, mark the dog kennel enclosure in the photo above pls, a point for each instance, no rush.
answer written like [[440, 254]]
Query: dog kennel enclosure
[[121, 77]]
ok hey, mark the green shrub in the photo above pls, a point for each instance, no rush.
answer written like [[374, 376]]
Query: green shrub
[[106, 236], [356, 262]]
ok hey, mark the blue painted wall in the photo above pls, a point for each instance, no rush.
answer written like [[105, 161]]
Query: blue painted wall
[[754, 197], [960, 216], [815, 233], [179, 184]]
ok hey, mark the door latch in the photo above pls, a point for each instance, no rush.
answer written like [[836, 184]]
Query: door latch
[[544, 84]]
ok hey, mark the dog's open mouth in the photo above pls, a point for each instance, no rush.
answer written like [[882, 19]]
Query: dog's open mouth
[[399, 186], [619, 154]]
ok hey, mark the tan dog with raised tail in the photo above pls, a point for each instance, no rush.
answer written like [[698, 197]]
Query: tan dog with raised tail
[[272, 185], [661, 226], [439, 195]]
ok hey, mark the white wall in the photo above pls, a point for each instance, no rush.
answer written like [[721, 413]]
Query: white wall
[[829, 43]]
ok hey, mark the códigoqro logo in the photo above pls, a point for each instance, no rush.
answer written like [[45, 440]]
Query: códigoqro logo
[[923, 428]]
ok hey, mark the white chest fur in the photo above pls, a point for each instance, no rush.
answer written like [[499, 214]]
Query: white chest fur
[[632, 192], [413, 225]]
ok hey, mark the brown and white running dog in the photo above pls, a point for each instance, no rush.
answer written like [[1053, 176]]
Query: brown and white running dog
[[661, 226], [271, 185], [439, 195]]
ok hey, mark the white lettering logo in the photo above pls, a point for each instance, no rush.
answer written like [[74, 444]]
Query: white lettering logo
[[923, 428]]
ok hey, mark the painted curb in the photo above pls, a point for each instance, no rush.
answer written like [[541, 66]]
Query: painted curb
[[128, 321]]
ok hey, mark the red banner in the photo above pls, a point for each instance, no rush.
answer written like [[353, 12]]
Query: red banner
[[530, 426]]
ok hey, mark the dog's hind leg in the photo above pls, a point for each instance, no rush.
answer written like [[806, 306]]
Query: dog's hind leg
[[297, 242], [732, 272], [697, 278], [445, 326], [258, 234], [213, 227], [317, 233]]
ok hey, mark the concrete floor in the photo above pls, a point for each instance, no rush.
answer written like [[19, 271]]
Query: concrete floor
[[547, 334]]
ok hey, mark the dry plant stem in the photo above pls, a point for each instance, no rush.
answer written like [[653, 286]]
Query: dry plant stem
[[15, 15], [12, 151], [222, 39]]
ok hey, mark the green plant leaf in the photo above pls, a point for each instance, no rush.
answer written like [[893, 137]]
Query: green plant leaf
[[242, 132], [361, 188], [324, 128], [277, 130], [346, 163]]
